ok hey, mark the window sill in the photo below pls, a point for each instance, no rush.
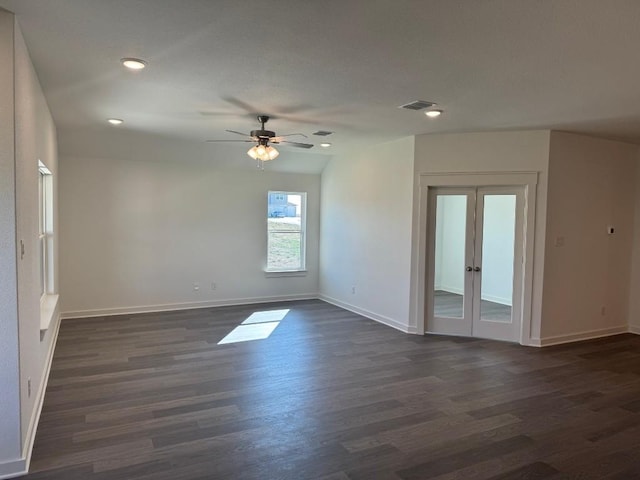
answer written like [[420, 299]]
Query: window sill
[[48, 306], [285, 273]]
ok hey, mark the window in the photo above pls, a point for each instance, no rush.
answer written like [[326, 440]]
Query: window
[[45, 228], [286, 225]]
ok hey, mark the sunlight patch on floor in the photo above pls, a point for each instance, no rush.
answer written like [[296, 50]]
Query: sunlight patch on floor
[[257, 326]]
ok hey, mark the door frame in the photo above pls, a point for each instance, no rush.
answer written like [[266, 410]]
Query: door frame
[[428, 181]]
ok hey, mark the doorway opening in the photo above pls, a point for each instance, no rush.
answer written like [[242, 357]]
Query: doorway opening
[[477, 240]]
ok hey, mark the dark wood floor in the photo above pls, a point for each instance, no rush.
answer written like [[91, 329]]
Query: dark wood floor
[[330, 395]]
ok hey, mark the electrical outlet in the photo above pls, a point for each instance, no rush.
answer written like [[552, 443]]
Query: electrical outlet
[[213, 285], [353, 290], [196, 286], [29, 387]]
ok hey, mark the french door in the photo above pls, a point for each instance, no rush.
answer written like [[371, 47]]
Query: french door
[[475, 257]]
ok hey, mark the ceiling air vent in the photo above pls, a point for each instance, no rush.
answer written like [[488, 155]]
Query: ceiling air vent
[[417, 105], [322, 133]]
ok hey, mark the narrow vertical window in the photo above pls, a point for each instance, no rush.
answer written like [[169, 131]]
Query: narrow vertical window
[[45, 227], [286, 225]]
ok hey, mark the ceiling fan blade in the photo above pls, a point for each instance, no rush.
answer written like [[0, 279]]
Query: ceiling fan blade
[[297, 144], [206, 113], [280, 137], [240, 104], [238, 133], [241, 141]]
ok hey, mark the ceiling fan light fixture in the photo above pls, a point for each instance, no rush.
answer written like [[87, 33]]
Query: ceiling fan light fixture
[[272, 153], [264, 153], [253, 152]]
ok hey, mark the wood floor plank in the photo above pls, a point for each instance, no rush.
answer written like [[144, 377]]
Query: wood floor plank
[[330, 395]]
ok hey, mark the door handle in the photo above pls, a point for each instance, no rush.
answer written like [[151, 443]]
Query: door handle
[[476, 269], [468, 268]]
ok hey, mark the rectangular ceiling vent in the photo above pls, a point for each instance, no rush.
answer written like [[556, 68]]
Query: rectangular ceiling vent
[[322, 133], [417, 105]]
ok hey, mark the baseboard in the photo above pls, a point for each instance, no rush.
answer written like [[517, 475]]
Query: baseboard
[[488, 298], [21, 467], [577, 337], [370, 315], [169, 307], [499, 300], [15, 468], [634, 329], [454, 290], [42, 389]]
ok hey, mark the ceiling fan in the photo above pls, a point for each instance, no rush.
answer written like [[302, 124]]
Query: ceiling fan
[[263, 139]]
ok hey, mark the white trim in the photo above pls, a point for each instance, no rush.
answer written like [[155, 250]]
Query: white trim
[[184, 306], [455, 290], [390, 322], [494, 299], [423, 184], [488, 298], [48, 306], [634, 329], [303, 230], [27, 448], [20, 467], [576, 337], [285, 273], [14, 468]]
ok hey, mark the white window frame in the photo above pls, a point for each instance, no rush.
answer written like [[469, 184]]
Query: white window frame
[[45, 229], [301, 270]]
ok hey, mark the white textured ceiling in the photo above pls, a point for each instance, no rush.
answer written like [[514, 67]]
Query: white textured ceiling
[[340, 65]]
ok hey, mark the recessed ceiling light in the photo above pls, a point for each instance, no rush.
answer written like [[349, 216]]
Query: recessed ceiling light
[[433, 113], [115, 121], [325, 144], [133, 63]]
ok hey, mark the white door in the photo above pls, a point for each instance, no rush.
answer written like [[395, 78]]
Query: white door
[[475, 262]]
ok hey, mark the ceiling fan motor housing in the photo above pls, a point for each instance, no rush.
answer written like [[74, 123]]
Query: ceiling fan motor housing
[[266, 134]]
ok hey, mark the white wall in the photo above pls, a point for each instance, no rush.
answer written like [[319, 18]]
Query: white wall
[[10, 437], [366, 231], [28, 134], [591, 186], [137, 233], [35, 140], [524, 151]]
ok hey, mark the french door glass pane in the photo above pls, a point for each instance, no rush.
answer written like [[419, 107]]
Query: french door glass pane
[[451, 219], [498, 238]]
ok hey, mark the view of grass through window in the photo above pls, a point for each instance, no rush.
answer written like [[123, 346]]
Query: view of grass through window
[[285, 220]]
